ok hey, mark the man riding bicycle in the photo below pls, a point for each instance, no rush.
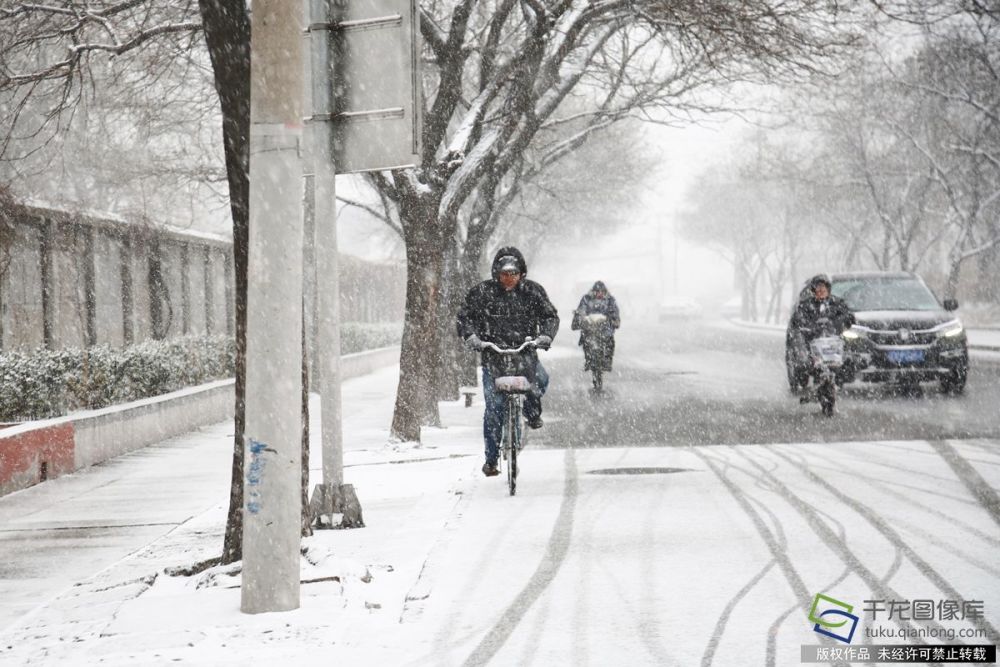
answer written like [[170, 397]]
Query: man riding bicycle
[[597, 317], [506, 310]]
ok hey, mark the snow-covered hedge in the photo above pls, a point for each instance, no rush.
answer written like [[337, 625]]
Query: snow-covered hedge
[[50, 383], [361, 336]]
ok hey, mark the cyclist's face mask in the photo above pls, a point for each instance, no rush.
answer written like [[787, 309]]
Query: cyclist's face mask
[[509, 279]]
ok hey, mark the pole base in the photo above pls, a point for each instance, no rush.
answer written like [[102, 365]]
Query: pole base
[[327, 501]]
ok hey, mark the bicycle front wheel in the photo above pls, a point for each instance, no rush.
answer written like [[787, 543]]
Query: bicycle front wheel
[[511, 443]]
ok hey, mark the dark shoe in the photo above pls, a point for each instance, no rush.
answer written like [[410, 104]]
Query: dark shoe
[[490, 469], [536, 422]]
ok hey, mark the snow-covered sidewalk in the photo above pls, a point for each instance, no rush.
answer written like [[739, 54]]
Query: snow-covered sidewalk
[[77, 549]]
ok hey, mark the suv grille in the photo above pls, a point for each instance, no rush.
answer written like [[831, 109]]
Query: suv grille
[[896, 338]]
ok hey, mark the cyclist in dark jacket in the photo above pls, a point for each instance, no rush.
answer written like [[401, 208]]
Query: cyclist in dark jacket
[[598, 341], [506, 310], [816, 303]]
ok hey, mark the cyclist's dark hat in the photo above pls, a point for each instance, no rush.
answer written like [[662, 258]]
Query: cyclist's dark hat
[[819, 279], [506, 259]]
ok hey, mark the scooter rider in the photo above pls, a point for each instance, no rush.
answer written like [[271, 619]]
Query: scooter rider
[[506, 310], [816, 303]]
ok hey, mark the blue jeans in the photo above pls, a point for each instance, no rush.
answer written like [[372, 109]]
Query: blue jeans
[[496, 404]]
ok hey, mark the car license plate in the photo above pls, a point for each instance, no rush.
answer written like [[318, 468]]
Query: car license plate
[[905, 356]]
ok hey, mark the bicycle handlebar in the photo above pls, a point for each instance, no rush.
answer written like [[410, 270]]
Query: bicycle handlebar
[[500, 350]]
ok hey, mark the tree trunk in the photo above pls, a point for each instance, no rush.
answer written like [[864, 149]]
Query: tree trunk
[[227, 35], [954, 274], [448, 377], [420, 358], [468, 277], [989, 266]]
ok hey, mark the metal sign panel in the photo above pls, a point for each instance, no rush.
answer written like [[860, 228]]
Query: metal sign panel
[[376, 90]]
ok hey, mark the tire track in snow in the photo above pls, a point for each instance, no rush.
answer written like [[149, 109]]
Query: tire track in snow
[[929, 536], [547, 570], [720, 624], [980, 489], [648, 618], [771, 649], [777, 551], [447, 636], [990, 447], [888, 489], [823, 531], [583, 551], [884, 484], [647, 614]]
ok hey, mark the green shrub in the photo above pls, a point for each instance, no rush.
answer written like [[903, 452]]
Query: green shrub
[[50, 383], [361, 336]]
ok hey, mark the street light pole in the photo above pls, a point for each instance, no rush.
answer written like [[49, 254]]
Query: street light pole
[[273, 477]]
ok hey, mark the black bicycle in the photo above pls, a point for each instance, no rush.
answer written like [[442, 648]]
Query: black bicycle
[[511, 381], [595, 348]]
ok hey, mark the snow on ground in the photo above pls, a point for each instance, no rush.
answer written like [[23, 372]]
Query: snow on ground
[[667, 569]]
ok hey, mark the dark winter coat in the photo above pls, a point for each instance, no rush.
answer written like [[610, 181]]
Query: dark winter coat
[[507, 318], [591, 305], [809, 311]]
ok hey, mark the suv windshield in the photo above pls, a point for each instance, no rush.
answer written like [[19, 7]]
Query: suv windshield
[[863, 294]]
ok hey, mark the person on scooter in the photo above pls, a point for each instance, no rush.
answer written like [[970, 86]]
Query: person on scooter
[[597, 334], [816, 304], [506, 310]]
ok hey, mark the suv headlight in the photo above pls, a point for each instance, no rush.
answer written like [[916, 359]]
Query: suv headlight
[[855, 332], [949, 329]]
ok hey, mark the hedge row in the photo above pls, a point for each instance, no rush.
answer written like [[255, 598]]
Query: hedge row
[[48, 383], [361, 336]]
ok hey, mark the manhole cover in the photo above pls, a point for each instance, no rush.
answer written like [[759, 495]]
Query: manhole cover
[[636, 471]]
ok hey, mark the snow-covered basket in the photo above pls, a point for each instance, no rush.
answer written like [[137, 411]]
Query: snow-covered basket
[[512, 384], [829, 350]]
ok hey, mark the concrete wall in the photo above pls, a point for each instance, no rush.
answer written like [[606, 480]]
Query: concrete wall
[[110, 327], [75, 280], [20, 311]]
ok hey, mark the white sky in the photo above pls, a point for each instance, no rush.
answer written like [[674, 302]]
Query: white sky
[[645, 252]]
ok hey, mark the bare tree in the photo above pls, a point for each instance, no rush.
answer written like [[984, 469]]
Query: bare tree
[[958, 72], [501, 71]]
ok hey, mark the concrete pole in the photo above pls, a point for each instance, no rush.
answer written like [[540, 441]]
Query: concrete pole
[[273, 476]]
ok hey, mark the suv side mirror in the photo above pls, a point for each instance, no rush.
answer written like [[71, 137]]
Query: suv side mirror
[[950, 304]]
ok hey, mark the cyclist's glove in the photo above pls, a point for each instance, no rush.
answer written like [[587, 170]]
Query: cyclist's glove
[[474, 343], [544, 342]]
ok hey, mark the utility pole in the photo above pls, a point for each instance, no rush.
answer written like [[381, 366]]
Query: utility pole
[[272, 519]]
